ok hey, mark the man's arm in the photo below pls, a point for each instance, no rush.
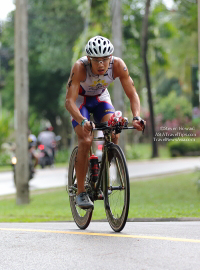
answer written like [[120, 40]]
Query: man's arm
[[34, 155], [78, 74], [121, 71]]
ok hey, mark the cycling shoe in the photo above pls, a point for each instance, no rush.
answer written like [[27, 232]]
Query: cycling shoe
[[83, 201]]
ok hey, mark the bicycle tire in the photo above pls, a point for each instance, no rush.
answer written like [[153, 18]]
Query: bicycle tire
[[81, 217], [117, 192]]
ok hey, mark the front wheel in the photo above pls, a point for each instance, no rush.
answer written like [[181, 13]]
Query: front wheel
[[117, 191], [81, 217]]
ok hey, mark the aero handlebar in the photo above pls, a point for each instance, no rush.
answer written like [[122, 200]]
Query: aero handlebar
[[104, 126]]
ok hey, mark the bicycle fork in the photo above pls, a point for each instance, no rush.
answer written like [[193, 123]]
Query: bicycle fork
[[106, 179]]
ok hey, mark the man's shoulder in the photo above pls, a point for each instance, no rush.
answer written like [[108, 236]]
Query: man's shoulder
[[79, 70], [53, 134], [118, 66], [79, 65], [42, 132], [118, 62]]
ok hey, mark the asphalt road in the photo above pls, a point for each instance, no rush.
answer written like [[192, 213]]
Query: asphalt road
[[57, 177], [141, 246]]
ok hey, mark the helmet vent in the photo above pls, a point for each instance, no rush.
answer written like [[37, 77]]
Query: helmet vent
[[99, 41], [94, 43], [104, 50], [104, 43], [108, 49], [90, 51], [95, 51], [100, 49]]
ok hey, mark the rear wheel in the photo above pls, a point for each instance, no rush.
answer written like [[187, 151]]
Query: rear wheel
[[81, 217], [117, 193]]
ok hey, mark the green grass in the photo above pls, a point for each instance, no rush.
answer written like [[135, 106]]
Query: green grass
[[144, 151], [5, 168], [169, 197]]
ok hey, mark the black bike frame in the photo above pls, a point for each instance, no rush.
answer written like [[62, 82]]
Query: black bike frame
[[104, 163]]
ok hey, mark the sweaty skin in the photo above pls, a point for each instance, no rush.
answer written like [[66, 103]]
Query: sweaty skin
[[70, 81], [78, 74], [129, 89]]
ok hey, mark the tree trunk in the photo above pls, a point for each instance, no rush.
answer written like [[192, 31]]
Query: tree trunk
[[21, 101], [118, 94], [144, 46], [199, 48]]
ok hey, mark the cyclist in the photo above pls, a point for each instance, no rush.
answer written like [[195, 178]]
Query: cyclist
[[48, 138], [32, 152], [87, 93]]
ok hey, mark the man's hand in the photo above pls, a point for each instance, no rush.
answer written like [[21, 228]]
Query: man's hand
[[139, 124], [88, 126]]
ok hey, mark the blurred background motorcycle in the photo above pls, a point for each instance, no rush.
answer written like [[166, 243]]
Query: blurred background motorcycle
[[33, 157], [47, 143]]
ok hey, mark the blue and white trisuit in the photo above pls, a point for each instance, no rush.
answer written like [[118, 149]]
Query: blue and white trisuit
[[93, 93]]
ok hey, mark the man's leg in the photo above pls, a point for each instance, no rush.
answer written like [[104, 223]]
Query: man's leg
[[81, 166], [104, 111]]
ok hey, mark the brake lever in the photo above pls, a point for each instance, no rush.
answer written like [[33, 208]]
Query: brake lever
[[142, 122]]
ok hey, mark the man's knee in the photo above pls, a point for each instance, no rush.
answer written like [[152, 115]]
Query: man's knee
[[115, 138], [85, 142]]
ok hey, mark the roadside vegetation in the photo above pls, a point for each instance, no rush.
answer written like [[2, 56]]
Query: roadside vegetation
[[172, 66], [138, 151], [169, 197]]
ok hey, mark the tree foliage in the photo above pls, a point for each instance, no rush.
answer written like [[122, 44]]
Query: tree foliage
[[53, 29], [183, 48], [58, 31], [5, 127], [172, 107], [96, 16]]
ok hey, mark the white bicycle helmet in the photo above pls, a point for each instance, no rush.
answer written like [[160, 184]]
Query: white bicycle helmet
[[32, 140], [99, 47]]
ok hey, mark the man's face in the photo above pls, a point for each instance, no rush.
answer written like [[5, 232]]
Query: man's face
[[99, 64]]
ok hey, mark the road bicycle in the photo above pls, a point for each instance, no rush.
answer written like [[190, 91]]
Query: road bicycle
[[112, 184]]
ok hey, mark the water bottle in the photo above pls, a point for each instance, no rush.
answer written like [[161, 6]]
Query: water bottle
[[117, 114], [115, 118], [124, 121], [94, 168]]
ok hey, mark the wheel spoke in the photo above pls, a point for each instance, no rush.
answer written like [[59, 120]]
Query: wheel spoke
[[117, 163], [118, 185]]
